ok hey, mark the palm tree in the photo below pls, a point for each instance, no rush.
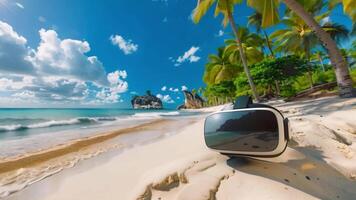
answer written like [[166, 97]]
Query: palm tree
[[269, 11], [251, 44], [319, 56], [226, 7], [299, 37], [219, 68], [256, 20]]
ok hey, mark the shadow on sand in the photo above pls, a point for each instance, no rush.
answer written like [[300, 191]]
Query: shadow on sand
[[311, 174], [316, 106]]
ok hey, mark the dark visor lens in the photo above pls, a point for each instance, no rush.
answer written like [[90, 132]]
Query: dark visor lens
[[252, 131]]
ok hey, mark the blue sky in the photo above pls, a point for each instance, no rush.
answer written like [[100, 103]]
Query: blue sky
[[98, 53]]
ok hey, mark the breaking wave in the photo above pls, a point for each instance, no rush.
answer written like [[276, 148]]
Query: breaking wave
[[52, 123], [156, 114]]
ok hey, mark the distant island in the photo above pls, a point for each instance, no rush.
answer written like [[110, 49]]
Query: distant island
[[147, 101]]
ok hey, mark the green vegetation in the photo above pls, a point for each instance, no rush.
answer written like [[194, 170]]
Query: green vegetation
[[300, 55]]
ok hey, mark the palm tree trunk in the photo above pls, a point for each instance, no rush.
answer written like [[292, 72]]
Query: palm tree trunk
[[278, 90], [342, 73], [243, 57], [268, 43]]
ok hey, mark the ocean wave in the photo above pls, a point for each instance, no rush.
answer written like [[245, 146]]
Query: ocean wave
[[52, 123], [18, 125], [156, 114], [11, 127]]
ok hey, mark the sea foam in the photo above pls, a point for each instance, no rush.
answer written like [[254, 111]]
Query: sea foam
[[52, 123], [156, 114]]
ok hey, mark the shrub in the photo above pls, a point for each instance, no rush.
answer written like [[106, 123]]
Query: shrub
[[353, 76], [320, 77]]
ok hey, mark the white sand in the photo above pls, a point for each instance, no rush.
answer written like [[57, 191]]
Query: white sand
[[320, 164]]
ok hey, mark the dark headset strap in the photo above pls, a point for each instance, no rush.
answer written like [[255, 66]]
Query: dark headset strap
[[242, 102]]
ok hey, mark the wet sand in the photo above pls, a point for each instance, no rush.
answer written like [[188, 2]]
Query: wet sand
[[74, 146], [19, 172]]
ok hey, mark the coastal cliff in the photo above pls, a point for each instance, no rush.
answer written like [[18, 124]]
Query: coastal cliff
[[147, 101], [192, 101]]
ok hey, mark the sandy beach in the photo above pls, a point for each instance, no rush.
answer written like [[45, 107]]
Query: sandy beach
[[320, 163]]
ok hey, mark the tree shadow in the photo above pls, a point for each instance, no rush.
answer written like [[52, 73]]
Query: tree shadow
[[310, 174], [315, 106]]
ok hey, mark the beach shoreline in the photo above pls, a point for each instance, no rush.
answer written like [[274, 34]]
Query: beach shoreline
[[23, 170], [28, 160], [318, 164]]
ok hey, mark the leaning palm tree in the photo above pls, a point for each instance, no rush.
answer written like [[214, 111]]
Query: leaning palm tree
[[219, 68], [299, 37], [269, 11], [226, 7]]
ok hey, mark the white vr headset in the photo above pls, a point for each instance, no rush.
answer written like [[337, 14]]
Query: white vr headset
[[249, 129]]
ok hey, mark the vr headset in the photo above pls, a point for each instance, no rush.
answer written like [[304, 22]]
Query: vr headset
[[255, 130]]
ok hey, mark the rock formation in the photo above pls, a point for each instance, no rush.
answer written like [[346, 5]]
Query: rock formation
[[192, 101], [147, 101]]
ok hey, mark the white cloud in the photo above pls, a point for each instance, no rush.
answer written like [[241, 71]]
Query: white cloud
[[105, 96], [165, 98], [188, 56], [117, 86], [15, 83], [25, 94], [68, 58], [120, 87], [14, 54], [57, 71], [164, 88], [184, 88], [19, 5], [127, 46], [220, 33], [53, 88], [45, 89], [114, 77], [174, 89]]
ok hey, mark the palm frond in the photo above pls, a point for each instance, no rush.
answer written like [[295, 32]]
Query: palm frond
[[201, 9], [337, 31], [268, 9]]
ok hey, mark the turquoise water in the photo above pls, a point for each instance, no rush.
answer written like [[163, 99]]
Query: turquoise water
[[25, 130]]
